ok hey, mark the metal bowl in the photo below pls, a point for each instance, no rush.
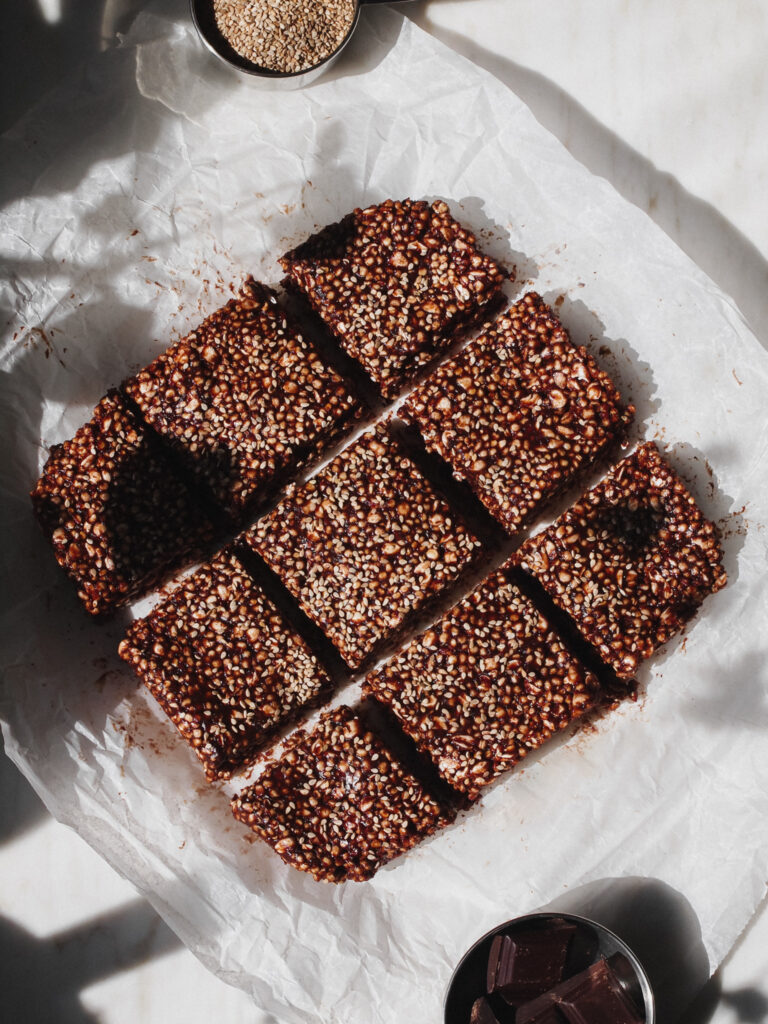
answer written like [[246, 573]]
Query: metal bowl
[[205, 23], [468, 980]]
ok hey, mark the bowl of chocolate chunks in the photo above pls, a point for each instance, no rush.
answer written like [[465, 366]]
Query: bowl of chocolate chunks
[[549, 969]]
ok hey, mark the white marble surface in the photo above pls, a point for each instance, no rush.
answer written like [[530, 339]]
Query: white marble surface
[[667, 101]]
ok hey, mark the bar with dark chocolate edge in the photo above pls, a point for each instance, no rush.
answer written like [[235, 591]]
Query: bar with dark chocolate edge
[[630, 562], [224, 665], [364, 544], [245, 401], [596, 996], [394, 283], [519, 412], [118, 517], [337, 804], [484, 685]]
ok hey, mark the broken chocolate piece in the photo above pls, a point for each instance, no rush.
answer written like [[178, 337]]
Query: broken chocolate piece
[[524, 965], [482, 1012], [596, 996]]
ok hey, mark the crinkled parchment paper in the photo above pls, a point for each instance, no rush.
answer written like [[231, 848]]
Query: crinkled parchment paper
[[118, 236]]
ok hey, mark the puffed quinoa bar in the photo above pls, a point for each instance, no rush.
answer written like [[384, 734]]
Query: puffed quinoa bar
[[519, 412], [224, 665], [244, 401], [394, 282], [118, 517], [631, 562], [337, 803], [364, 544], [484, 685]]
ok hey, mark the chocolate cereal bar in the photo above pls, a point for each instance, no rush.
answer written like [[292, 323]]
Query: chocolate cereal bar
[[223, 664], [486, 684], [519, 412], [118, 517], [244, 401], [393, 282], [364, 544], [337, 804], [631, 562]]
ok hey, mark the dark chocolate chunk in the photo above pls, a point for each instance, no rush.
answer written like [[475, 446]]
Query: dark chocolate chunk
[[524, 965], [596, 996]]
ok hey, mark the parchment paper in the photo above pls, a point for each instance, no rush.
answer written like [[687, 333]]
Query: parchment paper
[[132, 199]]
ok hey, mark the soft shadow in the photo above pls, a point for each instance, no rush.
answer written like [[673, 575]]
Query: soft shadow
[[720, 249], [42, 978], [20, 807], [658, 924]]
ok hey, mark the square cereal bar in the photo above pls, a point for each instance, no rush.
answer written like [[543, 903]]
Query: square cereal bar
[[519, 412], [630, 562], [364, 544], [244, 401], [337, 804], [117, 516], [484, 685], [394, 282], [224, 665]]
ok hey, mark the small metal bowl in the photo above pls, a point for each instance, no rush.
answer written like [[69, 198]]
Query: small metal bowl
[[205, 23], [468, 980]]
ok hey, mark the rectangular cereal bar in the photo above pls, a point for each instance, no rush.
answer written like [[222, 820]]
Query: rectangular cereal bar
[[519, 412], [337, 803], [244, 401], [630, 562], [394, 282], [118, 517], [224, 665], [484, 685], [364, 544]]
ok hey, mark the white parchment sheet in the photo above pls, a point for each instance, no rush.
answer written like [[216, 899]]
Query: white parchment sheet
[[117, 237]]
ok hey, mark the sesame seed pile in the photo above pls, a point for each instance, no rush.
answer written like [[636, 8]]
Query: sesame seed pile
[[244, 401], [223, 664], [519, 412], [484, 685], [394, 282], [630, 562], [284, 35], [337, 803], [119, 519], [364, 544]]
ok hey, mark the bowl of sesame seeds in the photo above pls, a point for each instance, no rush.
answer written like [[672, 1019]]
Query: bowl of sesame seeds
[[280, 43]]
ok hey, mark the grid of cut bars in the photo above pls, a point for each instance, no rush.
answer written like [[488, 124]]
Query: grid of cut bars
[[242, 404]]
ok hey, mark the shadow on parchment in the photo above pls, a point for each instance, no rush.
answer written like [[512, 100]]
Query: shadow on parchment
[[720, 249]]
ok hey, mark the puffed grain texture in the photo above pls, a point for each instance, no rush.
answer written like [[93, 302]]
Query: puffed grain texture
[[118, 517], [224, 665], [519, 412], [337, 803], [364, 544], [244, 401], [487, 683], [630, 562], [394, 282]]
